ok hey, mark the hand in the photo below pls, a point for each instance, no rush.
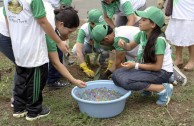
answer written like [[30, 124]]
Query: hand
[[80, 83], [128, 65], [160, 4], [122, 43], [63, 46], [87, 70]]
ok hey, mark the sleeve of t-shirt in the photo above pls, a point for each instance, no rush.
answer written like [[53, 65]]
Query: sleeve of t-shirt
[[51, 45], [4, 12], [116, 40], [103, 7], [137, 38], [160, 46], [81, 36], [127, 8], [37, 8]]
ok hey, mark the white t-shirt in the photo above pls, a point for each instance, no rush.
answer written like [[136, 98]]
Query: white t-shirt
[[183, 9], [136, 4], [128, 32], [3, 27], [85, 28], [28, 37]]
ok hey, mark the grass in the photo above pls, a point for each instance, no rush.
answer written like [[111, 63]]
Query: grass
[[139, 111]]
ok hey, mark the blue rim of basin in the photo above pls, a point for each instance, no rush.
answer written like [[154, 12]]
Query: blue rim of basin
[[125, 96]]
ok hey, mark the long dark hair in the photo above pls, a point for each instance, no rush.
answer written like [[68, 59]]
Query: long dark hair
[[149, 51], [68, 15]]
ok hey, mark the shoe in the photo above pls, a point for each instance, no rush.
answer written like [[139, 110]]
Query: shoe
[[164, 97], [12, 100], [45, 112], [19, 114], [146, 93], [179, 77], [57, 85]]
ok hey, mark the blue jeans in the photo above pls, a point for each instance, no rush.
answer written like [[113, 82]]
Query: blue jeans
[[6, 49], [132, 79], [53, 74]]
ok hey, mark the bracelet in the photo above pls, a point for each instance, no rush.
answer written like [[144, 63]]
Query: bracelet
[[136, 66]]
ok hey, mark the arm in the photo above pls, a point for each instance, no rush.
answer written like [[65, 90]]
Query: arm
[[109, 21], [127, 46], [54, 58], [150, 66], [80, 56], [131, 20], [50, 31]]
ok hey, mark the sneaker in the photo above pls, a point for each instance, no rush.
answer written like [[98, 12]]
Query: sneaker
[[45, 112], [146, 93], [179, 77], [57, 85], [164, 97], [12, 100], [19, 114]]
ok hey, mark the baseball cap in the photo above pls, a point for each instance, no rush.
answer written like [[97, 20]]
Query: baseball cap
[[96, 16], [99, 32], [154, 14], [66, 2]]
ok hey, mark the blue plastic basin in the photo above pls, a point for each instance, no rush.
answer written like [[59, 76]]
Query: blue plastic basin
[[101, 109]]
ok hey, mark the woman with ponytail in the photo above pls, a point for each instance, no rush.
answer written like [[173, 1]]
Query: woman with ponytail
[[153, 68]]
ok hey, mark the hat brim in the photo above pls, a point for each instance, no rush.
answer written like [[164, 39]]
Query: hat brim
[[101, 23], [141, 14], [96, 44]]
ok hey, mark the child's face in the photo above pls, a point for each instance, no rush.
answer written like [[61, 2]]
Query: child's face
[[146, 25], [65, 32], [108, 40]]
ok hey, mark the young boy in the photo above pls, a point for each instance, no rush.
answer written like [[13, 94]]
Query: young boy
[[25, 20], [104, 37], [84, 42]]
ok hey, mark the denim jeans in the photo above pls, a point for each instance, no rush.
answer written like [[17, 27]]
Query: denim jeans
[[53, 74], [132, 79], [89, 49], [6, 49]]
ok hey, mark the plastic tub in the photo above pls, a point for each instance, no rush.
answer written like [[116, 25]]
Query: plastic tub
[[101, 109]]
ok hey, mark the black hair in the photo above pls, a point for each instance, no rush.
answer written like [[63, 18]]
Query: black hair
[[110, 30], [149, 51], [68, 15]]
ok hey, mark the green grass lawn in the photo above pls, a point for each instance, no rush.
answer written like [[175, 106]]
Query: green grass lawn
[[139, 111]]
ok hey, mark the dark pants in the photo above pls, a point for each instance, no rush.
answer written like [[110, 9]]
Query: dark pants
[[6, 49], [53, 74], [132, 79], [28, 89]]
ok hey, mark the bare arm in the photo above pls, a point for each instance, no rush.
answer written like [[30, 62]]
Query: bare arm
[[50, 31], [80, 56], [109, 21], [131, 20], [149, 66], [54, 58], [127, 46]]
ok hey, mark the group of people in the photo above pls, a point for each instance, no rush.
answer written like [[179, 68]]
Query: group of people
[[139, 57]]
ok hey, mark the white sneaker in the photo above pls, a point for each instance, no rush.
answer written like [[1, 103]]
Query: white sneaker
[[179, 77]]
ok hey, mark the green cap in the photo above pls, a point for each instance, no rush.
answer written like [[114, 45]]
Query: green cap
[[66, 2], [96, 17], [154, 14], [99, 32]]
